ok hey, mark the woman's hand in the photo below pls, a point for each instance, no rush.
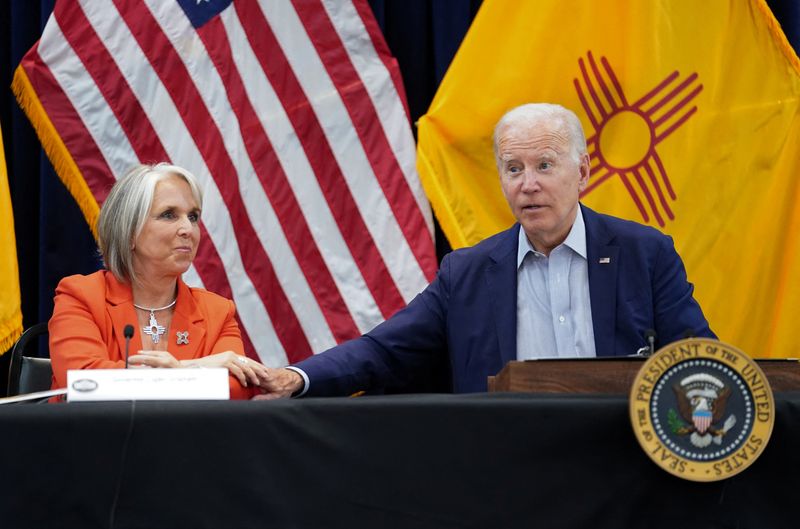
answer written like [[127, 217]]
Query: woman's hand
[[243, 368], [154, 359]]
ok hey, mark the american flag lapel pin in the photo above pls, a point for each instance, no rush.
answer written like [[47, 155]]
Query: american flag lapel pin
[[605, 260]]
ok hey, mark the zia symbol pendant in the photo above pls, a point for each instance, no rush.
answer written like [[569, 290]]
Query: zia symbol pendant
[[154, 330]]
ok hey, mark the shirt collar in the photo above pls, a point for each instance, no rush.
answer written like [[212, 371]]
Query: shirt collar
[[576, 240]]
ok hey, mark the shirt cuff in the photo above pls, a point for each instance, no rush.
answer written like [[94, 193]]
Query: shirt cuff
[[306, 383]]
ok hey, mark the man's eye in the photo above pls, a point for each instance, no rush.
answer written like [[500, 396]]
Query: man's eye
[[514, 169], [545, 165], [194, 217]]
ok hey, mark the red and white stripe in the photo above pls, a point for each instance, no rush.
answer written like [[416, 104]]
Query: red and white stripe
[[292, 116]]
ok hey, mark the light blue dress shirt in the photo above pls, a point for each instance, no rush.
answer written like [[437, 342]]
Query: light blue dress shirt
[[554, 312]]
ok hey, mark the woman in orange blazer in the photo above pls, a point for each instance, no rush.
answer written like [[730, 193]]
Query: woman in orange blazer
[[148, 233]]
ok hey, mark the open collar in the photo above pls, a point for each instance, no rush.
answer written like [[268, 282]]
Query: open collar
[[187, 316]]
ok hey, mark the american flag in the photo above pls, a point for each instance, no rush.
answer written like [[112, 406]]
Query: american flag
[[292, 115]]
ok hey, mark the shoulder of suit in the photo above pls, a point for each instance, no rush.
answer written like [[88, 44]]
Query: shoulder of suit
[[627, 229], [490, 244], [84, 283]]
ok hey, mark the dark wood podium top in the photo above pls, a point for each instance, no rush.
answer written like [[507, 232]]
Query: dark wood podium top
[[612, 375]]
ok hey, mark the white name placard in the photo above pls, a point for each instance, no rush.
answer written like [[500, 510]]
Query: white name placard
[[147, 384]]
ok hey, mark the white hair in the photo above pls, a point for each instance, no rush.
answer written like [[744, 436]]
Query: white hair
[[125, 210], [534, 113]]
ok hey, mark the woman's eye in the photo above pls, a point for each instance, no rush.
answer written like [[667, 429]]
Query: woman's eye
[[545, 165], [167, 215], [194, 217]]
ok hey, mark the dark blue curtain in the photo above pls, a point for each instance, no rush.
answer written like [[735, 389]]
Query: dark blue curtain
[[53, 239]]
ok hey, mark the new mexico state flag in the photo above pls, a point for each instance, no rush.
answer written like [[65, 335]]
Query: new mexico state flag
[[691, 112], [10, 303]]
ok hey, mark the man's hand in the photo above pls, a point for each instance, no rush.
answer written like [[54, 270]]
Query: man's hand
[[280, 383]]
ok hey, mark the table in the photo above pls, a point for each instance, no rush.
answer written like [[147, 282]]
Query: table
[[422, 461]]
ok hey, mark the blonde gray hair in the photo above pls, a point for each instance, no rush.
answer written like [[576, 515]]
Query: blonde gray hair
[[532, 113], [125, 210]]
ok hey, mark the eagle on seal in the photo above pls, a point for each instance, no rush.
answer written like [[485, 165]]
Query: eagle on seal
[[702, 399]]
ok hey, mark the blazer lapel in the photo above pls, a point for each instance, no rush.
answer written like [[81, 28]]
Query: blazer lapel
[[119, 301], [501, 278], [603, 257], [187, 318]]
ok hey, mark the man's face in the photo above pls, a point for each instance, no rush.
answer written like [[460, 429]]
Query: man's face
[[541, 180]]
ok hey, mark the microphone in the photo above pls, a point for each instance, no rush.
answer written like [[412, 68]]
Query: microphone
[[128, 333], [650, 336]]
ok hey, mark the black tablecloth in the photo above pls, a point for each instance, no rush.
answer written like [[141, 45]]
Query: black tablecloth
[[478, 461]]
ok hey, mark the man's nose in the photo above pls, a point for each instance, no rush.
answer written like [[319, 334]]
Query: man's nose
[[530, 181]]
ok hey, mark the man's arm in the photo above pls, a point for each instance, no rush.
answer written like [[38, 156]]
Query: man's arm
[[677, 314], [389, 355]]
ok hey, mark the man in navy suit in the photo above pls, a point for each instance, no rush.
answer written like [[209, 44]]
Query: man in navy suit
[[564, 281]]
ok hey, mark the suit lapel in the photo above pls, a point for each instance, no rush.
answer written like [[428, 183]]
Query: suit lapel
[[119, 301], [501, 278], [187, 318], [603, 257]]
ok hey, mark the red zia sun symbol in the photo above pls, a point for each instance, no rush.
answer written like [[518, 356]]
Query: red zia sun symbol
[[644, 124]]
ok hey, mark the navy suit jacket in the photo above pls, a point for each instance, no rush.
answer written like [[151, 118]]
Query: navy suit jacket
[[637, 282]]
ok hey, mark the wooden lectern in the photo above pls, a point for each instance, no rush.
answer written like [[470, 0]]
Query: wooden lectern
[[609, 375]]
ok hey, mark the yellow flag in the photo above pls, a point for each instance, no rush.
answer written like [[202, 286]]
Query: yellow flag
[[692, 112], [10, 308]]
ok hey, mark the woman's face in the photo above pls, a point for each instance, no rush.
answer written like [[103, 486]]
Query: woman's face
[[168, 241]]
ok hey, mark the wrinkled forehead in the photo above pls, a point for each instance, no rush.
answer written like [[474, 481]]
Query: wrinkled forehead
[[533, 135]]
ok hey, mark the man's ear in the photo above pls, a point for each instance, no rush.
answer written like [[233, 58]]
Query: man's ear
[[583, 168]]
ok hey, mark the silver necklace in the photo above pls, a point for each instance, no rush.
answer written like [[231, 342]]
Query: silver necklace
[[154, 330]]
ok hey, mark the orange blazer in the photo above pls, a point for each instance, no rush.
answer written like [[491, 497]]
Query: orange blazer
[[91, 312]]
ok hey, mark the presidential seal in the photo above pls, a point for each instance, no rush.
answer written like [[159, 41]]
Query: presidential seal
[[702, 409]]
